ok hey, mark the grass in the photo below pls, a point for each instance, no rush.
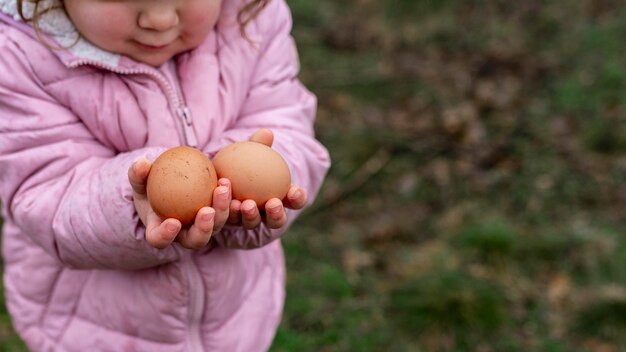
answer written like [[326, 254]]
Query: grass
[[476, 197], [494, 223]]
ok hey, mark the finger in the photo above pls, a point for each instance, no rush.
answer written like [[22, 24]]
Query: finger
[[264, 136], [161, 235], [234, 216], [221, 204], [199, 234], [250, 216], [296, 198], [275, 214], [138, 175]]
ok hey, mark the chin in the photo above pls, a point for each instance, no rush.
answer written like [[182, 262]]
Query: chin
[[157, 58], [154, 60]]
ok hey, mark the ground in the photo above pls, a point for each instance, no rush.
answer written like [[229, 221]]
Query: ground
[[476, 198]]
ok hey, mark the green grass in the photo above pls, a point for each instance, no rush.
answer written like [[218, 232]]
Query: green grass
[[9, 341], [504, 234]]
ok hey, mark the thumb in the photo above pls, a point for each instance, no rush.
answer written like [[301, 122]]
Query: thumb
[[138, 175], [263, 136]]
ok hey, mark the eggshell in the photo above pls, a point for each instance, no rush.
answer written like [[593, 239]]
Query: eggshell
[[255, 171], [180, 182]]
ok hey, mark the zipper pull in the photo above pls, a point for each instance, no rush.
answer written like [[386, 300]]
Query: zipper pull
[[190, 135]]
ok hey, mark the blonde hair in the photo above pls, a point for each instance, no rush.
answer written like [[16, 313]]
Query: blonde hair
[[245, 15], [249, 13]]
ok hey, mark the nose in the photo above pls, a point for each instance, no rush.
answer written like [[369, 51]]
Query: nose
[[159, 18]]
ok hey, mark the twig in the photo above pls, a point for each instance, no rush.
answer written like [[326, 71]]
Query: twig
[[365, 172]]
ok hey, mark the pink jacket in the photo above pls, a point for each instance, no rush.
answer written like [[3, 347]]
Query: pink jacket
[[79, 275]]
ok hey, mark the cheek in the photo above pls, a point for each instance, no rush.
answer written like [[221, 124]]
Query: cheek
[[100, 22], [113, 22], [204, 15]]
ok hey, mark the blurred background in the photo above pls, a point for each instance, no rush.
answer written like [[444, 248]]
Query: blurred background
[[476, 199]]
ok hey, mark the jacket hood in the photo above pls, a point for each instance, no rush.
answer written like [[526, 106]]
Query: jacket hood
[[57, 28]]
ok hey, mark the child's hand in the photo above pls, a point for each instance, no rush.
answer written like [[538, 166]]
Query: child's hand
[[160, 233], [247, 214]]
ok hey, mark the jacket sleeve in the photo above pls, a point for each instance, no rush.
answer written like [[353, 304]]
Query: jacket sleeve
[[66, 191], [277, 100]]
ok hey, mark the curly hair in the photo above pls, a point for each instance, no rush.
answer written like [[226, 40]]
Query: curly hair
[[245, 15], [248, 13]]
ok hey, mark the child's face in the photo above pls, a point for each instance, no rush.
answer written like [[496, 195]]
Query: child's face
[[149, 31]]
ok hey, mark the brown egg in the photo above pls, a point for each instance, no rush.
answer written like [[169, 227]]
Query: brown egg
[[180, 182], [255, 171]]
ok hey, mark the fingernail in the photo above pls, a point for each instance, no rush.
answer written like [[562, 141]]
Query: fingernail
[[248, 209], [171, 227], [208, 216], [274, 209], [295, 194], [223, 193], [140, 160]]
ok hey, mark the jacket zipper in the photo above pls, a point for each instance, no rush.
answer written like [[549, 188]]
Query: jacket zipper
[[196, 306], [185, 116], [196, 290], [173, 96]]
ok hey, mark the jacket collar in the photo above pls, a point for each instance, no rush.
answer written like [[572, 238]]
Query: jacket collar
[[60, 31]]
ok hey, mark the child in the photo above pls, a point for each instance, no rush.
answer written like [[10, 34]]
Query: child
[[91, 91]]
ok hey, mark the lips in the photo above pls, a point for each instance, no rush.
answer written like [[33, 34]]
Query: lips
[[151, 46]]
